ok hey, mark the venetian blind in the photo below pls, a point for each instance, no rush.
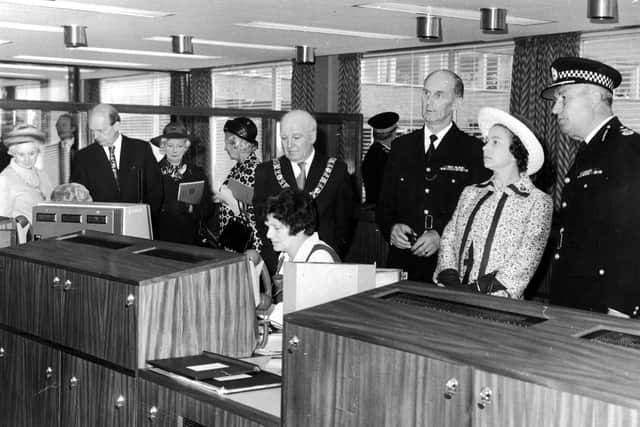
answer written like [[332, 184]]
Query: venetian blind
[[621, 50], [144, 89]]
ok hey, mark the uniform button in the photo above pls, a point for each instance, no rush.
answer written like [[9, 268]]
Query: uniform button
[[556, 256], [426, 211], [427, 191], [564, 204], [636, 309], [453, 181], [601, 272], [567, 180], [428, 169], [585, 186], [562, 229]]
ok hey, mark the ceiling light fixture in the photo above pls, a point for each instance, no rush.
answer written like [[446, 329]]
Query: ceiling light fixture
[[446, 12], [26, 75], [182, 44], [75, 36], [226, 44], [145, 53], [602, 10], [89, 7], [305, 55], [79, 61], [4, 42], [322, 30], [34, 67], [429, 28], [493, 20]]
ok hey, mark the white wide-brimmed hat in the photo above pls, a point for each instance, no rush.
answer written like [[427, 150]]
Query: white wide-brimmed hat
[[489, 117]]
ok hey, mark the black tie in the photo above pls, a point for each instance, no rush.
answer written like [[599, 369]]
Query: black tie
[[431, 149]]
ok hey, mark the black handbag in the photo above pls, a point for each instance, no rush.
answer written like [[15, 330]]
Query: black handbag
[[236, 236]]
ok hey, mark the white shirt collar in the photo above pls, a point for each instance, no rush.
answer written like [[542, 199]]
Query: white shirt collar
[[118, 144], [303, 251], [440, 135], [597, 129], [307, 164]]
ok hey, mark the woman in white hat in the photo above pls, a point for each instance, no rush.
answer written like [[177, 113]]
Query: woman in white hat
[[22, 184], [495, 238]]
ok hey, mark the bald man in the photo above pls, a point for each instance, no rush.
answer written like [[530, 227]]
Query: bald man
[[117, 168], [424, 176], [325, 179]]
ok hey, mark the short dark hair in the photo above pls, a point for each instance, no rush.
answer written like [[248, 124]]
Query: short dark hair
[[295, 209], [518, 150]]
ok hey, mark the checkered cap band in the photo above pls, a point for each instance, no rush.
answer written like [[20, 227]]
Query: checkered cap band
[[589, 76]]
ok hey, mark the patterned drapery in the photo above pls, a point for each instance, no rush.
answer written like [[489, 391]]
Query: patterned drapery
[[303, 81], [349, 83], [201, 96], [180, 89], [531, 61]]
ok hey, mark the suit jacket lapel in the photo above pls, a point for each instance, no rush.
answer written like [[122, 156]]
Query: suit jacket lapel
[[125, 157]]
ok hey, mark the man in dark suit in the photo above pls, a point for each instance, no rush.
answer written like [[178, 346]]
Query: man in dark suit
[[425, 174], [596, 261], [325, 179], [117, 168]]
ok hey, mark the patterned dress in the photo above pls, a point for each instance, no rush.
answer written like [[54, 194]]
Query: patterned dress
[[245, 173], [502, 231]]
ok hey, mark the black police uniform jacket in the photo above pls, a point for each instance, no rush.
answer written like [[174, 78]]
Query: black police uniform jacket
[[413, 189], [372, 170], [596, 262], [334, 203]]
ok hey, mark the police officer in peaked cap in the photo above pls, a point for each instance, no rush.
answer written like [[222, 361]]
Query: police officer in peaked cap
[[384, 127], [595, 264]]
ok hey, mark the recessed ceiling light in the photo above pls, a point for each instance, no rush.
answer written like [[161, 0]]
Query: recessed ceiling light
[[472, 14], [30, 27], [34, 67], [145, 52], [322, 30], [4, 42], [89, 7], [227, 44], [23, 75], [79, 61]]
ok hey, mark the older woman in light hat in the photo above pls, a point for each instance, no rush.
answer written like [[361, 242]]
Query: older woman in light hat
[[22, 184], [497, 234]]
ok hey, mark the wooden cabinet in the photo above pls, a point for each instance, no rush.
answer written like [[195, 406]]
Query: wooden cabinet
[[96, 309], [455, 360]]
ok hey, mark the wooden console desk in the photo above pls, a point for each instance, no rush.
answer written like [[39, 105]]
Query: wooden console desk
[[371, 360], [79, 317]]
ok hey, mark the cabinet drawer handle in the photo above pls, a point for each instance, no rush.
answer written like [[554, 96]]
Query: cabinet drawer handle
[[153, 413], [55, 283], [67, 285], [120, 401], [73, 382], [485, 397], [2, 352], [293, 344], [48, 373], [451, 388], [131, 298]]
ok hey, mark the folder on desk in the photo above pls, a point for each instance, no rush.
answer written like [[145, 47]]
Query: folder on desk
[[205, 366], [244, 382]]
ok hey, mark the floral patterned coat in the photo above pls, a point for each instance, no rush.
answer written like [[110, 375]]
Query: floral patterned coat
[[507, 234]]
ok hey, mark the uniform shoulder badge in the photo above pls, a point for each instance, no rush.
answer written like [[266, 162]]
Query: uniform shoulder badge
[[625, 131]]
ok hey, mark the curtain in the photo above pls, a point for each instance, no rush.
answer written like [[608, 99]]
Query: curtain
[[303, 81], [349, 83], [200, 95], [532, 59]]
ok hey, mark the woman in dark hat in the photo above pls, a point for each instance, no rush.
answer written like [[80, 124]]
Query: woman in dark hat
[[22, 184], [237, 223], [179, 221]]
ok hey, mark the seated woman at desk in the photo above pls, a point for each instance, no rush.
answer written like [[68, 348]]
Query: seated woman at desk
[[22, 184], [495, 238], [179, 221]]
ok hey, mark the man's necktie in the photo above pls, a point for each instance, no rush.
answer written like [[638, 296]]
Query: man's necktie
[[432, 147], [301, 178], [114, 164]]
